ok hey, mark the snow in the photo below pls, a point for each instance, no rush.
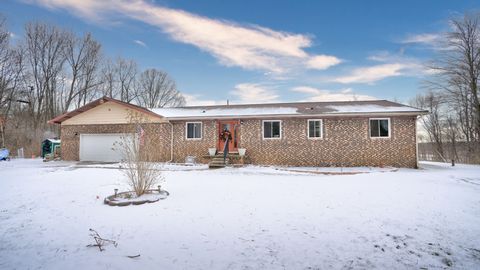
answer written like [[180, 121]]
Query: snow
[[54, 140], [164, 167], [197, 112], [338, 170], [145, 197], [206, 112], [242, 218], [150, 197], [370, 108]]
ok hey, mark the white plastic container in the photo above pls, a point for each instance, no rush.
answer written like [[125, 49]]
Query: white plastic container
[[241, 151]]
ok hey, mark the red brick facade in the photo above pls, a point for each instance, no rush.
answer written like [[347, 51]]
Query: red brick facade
[[345, 142], [155, 133], [183, 147]]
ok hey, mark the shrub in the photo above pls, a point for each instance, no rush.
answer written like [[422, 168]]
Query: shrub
[[141, 172]]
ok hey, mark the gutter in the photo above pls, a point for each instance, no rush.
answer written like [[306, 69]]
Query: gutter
[[263, 116]]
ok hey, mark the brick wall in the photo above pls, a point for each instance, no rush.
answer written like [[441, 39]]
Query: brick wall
[[199, 147], [157, 134], [346, 142]]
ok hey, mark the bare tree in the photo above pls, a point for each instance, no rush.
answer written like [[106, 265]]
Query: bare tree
[[451, 132], [464, 64], [126, 71], [6, 92], [51, 70], [11, 67], [44, 47], [433, 122], [157, 90], [108, 79], [457, 71], [119, 79], [83, 56]]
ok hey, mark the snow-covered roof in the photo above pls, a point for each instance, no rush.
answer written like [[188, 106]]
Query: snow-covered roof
[[288, 109], [206, 112], [367, 108]]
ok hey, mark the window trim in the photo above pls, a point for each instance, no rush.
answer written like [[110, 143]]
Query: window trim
[[321, 129], [389, 128], [263, 130], [201, 131]]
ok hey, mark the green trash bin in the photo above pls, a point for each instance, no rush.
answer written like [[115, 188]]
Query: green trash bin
[[49, 146]]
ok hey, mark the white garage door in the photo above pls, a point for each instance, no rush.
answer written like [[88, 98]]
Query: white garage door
[[98, 147]]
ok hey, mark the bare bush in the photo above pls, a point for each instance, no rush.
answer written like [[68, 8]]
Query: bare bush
[[141, 172]]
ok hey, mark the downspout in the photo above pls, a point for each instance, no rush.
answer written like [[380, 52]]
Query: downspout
[[171, 142], [416, 142]]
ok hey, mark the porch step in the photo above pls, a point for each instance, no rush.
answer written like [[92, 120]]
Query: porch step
[[217, 162]]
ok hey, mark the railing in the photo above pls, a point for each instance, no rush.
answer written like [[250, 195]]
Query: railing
[[225, 151]]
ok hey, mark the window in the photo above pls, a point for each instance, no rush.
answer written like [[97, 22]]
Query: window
[[315, 128], [380, 127], [272, 129], [194, 130]]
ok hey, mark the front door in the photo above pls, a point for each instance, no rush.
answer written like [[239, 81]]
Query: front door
[[225, 127]]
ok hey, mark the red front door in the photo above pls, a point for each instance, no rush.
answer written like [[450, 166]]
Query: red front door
[[225, 127]]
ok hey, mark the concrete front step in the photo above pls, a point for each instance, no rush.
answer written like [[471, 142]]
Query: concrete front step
[[221, 155], [215, 166], [217, 162]]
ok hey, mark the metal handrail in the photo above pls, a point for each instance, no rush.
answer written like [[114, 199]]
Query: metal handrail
[[225, 151]]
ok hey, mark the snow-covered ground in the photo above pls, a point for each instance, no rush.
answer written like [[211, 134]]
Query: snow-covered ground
[[245, 218]]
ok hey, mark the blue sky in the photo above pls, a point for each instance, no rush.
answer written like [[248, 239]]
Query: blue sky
[[263, 51]]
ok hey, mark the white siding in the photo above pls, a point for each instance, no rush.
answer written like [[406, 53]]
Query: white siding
[[107, 113]]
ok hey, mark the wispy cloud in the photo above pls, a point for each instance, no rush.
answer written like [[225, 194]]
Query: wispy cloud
[[424, 38], [386, 65], [371, 74], [254, 93], [247, 46], [141, 43], [199, 100], [315, 94], [440, 41]]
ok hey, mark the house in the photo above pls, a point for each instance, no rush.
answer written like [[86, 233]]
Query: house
[[344, 133]]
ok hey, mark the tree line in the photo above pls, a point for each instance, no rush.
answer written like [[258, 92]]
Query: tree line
[[51, 70], [451, 93]]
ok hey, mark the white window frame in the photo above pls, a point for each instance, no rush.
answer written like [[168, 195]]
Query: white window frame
[[263, 131], [186, 131], [321, 129], [389, 128]]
